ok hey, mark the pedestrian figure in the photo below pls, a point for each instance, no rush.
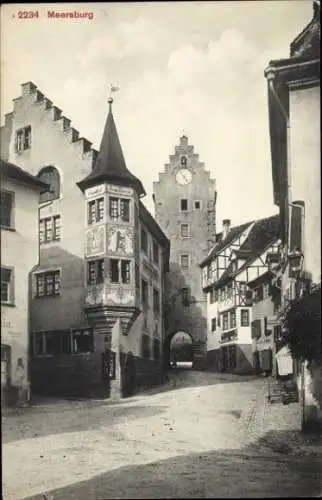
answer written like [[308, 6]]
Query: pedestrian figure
[[20, 375]]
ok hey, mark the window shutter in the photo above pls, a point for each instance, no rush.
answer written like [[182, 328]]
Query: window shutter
[[296, 225]]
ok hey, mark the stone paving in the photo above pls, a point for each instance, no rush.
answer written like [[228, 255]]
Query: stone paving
[[198, 436]]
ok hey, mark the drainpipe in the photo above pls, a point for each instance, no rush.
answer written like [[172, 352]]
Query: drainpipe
[[30, 297]]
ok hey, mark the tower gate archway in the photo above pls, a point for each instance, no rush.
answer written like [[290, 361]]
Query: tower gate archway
[[178, 346]]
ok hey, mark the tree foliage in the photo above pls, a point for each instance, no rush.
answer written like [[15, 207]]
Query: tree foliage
[[303, 326]]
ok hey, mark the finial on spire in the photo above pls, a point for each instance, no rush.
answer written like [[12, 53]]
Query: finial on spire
[[113, 88]]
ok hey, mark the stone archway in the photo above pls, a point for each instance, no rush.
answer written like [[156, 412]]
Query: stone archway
[[178, 346]]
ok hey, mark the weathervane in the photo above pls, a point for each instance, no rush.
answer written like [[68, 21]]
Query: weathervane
[[113, 88]]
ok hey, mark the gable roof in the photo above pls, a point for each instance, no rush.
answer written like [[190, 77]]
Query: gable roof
[[222, 242], [17, 173], [110, 164], [263, 233]]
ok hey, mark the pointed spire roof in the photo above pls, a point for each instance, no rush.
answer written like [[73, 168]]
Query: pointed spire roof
[[110, 164]]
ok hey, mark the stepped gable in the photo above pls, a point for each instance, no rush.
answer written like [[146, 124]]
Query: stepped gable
[[110, 164], [29, 88]]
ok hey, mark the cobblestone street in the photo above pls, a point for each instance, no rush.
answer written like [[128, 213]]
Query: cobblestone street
[[200, 435]]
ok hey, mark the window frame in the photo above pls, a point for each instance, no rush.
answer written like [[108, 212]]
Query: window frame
[[200, 205], [144, 300], [242, 323], [11, 195], [156, 301], [120, 263], [266, 290], [155, 253], [144, 241], [187, 203], [10, 286], [43, 239], [48, 337], [81, 331], [98, 269], [225, 321], [118, 209], [256, 329], [96, 216], [185, 268], [23, 133], [185, 235], [214, 324], [45, 274], [232, 319]]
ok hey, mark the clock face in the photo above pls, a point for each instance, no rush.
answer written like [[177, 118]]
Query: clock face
[[184, 176]]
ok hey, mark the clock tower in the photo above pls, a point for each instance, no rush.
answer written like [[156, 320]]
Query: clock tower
[[185, 208]]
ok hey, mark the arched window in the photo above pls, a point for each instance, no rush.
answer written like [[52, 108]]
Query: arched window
[[50, 175]]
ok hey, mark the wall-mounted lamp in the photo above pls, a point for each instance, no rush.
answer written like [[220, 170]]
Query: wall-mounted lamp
[[295, 259]]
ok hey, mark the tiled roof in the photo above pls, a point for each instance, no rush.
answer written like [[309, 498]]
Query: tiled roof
[[110, 164], [263, 233], [263, 278], [14, 172], [222, 243]]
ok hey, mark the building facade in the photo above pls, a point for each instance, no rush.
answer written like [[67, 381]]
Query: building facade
[[19, 256], [294, 119], [238, 258], [185, 208], [266, 301], [100, 250]]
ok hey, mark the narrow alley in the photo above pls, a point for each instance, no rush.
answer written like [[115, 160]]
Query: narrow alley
[[200, 435]]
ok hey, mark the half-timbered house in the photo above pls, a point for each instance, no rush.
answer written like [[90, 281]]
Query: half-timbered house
[[238, 257]]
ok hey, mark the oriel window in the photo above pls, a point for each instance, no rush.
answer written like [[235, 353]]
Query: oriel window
[[95, 211], [119, 209], [120, 271], [95, 272]]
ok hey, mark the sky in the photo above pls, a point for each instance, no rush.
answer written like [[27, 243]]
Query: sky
[[196, 67]]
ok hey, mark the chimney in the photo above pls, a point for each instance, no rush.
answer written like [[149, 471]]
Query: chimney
[[225, 227]]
